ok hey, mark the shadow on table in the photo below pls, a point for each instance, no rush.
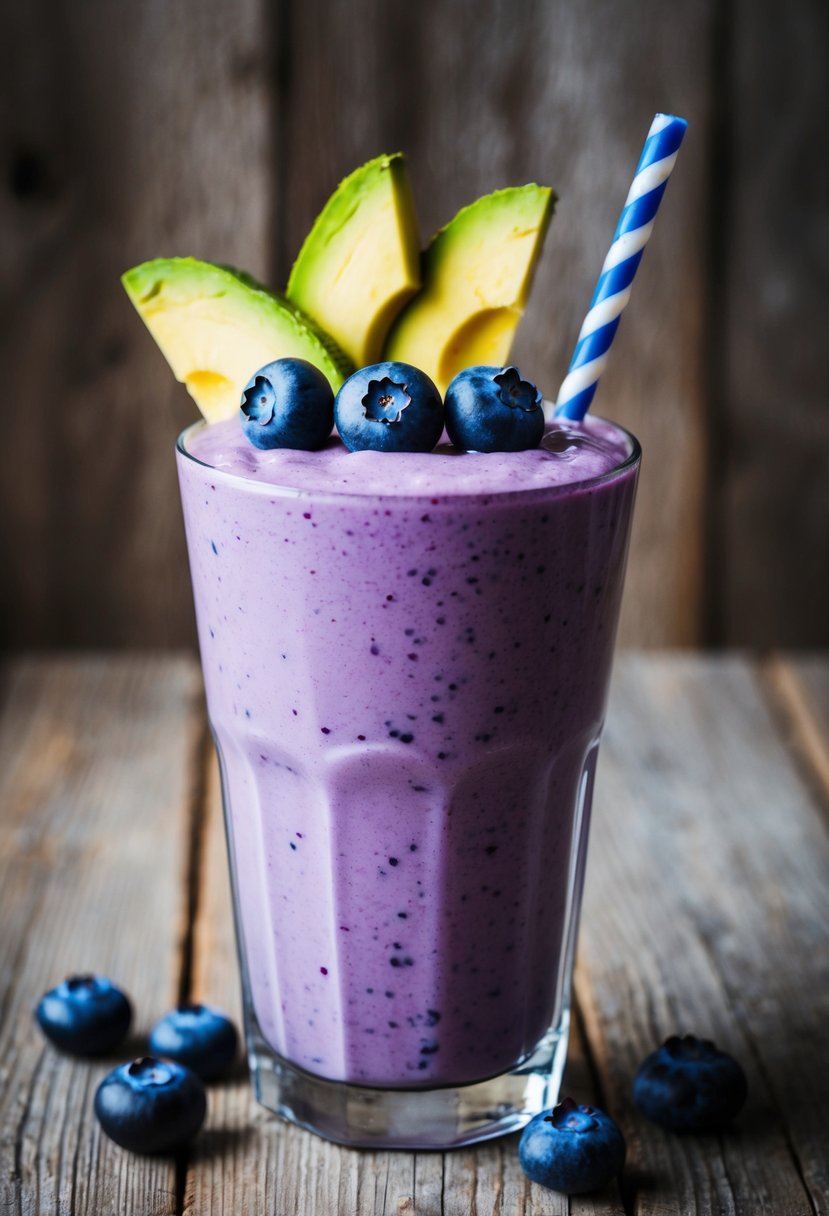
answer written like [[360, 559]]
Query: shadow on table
[[222, 1141]]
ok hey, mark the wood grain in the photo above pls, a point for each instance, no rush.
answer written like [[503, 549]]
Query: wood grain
[[773, 573], [95, 766], [706, 911], [801, 684], [133, 131]]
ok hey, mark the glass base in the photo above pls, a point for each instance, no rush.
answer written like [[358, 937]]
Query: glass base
[[362, 1117]]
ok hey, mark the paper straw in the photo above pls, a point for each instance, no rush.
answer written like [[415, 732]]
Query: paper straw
[[613, 288]]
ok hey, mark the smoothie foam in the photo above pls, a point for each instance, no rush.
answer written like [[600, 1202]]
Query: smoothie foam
[[406, 661]]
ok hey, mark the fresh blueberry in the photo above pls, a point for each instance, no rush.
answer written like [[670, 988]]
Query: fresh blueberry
[[572, 1149], [288, 404], [689, 1086], [491, 409], [199, 1037], [150, 1106], [389, 407], [86, 1015]]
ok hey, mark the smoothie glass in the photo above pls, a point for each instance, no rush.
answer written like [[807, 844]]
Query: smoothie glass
[[407, 692]]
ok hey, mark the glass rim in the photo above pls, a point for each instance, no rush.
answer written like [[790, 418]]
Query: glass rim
[[428, 496]]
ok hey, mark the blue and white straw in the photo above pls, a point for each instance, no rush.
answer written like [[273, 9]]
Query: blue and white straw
[[613, 288]]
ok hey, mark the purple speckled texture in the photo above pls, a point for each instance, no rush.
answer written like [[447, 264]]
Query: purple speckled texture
[[406, 665]]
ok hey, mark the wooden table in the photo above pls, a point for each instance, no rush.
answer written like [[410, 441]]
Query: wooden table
[[707, 909]]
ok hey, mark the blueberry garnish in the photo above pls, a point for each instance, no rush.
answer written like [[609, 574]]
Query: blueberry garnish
[[491, 409], [288, 404], [151, 1106], [199, 1037], [572, 1149], [389, 407], [687, 1085], [86, 1015]]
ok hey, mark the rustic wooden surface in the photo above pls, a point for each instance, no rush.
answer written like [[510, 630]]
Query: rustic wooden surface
[[773, 367], [131, 131], [706, 909]]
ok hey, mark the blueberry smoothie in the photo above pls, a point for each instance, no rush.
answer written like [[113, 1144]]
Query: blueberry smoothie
[[406, 660]]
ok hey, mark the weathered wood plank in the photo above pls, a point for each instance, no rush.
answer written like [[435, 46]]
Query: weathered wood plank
[[775, 429], [133, 131], [95, 766], [247, 1161], [482, 94], [706, 910]]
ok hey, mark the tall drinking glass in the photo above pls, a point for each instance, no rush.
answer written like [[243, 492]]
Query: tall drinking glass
[[407, 692]]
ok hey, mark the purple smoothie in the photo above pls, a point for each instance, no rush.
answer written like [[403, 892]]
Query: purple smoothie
[[406, 661]]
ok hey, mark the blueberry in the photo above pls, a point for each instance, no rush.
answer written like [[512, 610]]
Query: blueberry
[[288, 404], [491, 409], [86, 1015], [199, 1037], [689, 1086], [572, 1149], [151, 1106], [389, 407]]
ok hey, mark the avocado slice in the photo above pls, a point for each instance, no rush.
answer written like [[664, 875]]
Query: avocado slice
[[477, 274], [360, 263], [216, 326]]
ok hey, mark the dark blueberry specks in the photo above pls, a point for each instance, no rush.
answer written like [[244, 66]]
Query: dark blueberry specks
[[432, 797]]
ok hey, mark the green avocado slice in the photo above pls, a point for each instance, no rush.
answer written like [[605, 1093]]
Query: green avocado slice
[[477, 274], [360, 263], [216, 326]]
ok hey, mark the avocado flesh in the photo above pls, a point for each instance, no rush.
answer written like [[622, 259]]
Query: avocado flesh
[[477, 275], [216, 326], [360, 263]]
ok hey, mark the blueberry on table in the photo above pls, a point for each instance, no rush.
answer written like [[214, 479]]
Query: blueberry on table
[[85, 1015], [389, 407], [288, 404], [491, 409], [572, 1149], [151, 1106], [687, 1085], [197, 1036]]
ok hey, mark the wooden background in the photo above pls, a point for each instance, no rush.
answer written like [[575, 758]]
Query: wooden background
[[218, 129]]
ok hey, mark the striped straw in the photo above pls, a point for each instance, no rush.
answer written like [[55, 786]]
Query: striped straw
[[613, 288]]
